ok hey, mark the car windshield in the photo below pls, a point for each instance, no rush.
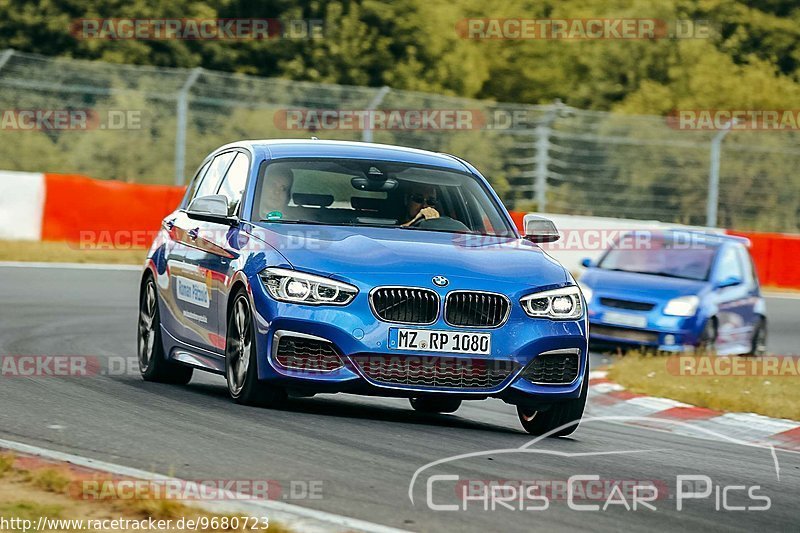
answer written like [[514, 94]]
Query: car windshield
[[674, 258], [376, 193]]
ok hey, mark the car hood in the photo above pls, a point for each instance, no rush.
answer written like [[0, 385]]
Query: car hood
[[630, 285], [332, 250]]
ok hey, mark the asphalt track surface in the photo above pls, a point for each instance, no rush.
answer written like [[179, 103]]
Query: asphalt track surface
[[365, 451]]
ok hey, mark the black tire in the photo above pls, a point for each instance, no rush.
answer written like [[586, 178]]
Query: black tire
[[541, 422], [435, 404], [708, 338], [153, 363], [758, 346], [243, 384]]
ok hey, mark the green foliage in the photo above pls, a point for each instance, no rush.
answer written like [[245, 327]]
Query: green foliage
[[752, 56], [749, 60]]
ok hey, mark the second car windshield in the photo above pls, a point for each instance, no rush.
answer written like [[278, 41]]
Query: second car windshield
[[663, 257], [376, 193]]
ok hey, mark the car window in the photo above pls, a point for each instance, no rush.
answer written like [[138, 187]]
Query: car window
[[194, 184], [210, 182], [729, 265], [749, 265], [233, 183], [662, 256], [376, 193]]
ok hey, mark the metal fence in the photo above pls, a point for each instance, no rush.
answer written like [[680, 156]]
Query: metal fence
[[549, 158]]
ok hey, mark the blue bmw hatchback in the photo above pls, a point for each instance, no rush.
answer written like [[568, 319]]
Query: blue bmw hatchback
[[301, 267], [675, 291]]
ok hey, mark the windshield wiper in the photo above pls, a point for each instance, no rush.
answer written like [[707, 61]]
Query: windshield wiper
[[284, 221]]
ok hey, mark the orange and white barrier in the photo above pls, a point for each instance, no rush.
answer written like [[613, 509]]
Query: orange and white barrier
[[65, 207]]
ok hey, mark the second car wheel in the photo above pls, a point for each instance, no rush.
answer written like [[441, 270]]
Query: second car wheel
[[241, 369], [431, 404]]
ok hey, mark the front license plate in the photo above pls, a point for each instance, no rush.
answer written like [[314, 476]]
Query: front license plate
[[625, 319], [440, 341]]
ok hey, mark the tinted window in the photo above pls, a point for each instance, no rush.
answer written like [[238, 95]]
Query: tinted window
[[195, 183], [376, 193], [210, 182], [662, 257], [751, 276], [730, 265], [233, 184]]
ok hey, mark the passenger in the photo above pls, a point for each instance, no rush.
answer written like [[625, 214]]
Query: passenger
[[277, 190]]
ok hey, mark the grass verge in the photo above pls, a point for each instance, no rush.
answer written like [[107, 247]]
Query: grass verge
[[29, 492], [715, 382], [64, 252]]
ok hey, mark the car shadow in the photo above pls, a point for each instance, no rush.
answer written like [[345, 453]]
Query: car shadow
[[338, 406]]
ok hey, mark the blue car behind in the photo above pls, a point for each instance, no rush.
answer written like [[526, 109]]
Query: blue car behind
[[301, 267], [677, 290]]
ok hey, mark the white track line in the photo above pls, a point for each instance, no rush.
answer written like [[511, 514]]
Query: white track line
[[77, 266], [293, 516]]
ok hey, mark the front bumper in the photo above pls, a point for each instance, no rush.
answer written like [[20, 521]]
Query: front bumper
[[356, 333], [654, 329]]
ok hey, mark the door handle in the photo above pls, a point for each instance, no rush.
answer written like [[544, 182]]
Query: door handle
[[169, 224], [193, 233]]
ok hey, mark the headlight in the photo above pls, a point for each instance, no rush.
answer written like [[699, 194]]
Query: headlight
[[559, 304], [682, 306], [298, 287]]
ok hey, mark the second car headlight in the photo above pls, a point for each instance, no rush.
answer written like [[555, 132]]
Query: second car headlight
[[682, 306], [559, 304], [298, 287]]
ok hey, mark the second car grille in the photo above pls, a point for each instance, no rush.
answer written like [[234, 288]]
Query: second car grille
[[553, 368], [302, 353], [476, 309], [631, 335], [437, 372], [405, 305], [626, 304]]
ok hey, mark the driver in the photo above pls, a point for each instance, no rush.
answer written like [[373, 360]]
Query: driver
[[277, 187], [420, 204]]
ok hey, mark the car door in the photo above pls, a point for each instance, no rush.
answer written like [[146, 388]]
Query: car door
[[734, 301], [191, 281]]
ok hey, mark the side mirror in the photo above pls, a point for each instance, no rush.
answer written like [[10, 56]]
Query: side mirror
[[730, 281], [539, 229], [587, 262], [212, 208]]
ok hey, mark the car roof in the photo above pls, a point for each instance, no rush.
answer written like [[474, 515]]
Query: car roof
[[710, 237], [289, 148]]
